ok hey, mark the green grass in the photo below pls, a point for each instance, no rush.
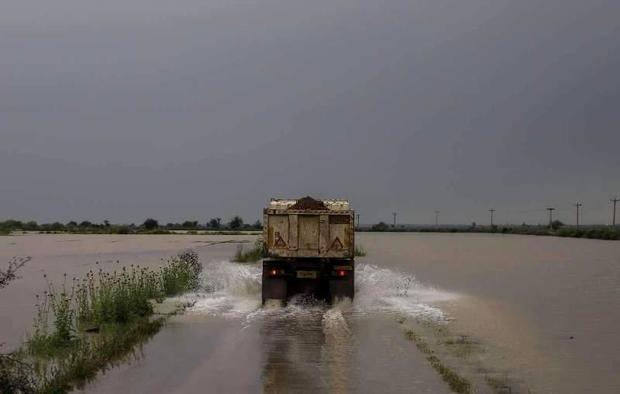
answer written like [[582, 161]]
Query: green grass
[[359, 251], [251, 255], [82, 328]]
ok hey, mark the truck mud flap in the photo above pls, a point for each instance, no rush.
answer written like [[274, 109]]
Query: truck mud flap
[[341, 288], [275, 284]]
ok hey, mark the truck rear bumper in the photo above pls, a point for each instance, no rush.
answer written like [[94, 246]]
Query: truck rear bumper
[[324, 279]]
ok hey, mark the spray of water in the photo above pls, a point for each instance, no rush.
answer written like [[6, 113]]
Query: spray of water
[[233, 290]]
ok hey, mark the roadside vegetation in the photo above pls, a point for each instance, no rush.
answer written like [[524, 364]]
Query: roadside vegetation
[[252, 255], [15, 375], [236, 225], [359, 251], [10, 273], [85, 324], [557, 229]]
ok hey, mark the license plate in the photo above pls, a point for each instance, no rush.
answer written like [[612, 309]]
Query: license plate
[[306, 274]]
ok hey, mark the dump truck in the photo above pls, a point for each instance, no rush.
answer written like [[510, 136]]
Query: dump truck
[[310, 249]]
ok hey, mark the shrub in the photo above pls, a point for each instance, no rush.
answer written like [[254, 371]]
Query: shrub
[[256, 253], [107, 298], [359, 251], [10, 273], [235, 223], [16, 376], [80, 330], [381, 226], [150, 224]]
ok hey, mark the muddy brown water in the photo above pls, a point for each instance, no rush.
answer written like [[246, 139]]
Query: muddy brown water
[[546, 309]]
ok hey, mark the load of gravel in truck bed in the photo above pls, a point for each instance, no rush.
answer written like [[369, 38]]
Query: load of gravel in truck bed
[[308, 203]]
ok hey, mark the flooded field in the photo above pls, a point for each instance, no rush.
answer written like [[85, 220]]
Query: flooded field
[[540, 313]]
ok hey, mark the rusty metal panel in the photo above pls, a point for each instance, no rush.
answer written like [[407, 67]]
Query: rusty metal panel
[[323, 233], [278, 232], [308, 232], [293, 225]]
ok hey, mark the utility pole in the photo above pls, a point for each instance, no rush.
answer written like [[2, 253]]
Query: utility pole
[[394, 214], [614, 200], [550, 215], [577, 205], [436, 218], [358, 220], [491, 210]]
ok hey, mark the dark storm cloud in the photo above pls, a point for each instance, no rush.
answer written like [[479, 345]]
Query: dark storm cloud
[[123, 110]]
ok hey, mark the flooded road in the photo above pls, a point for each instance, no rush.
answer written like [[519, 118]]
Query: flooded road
[[549, 307], [545, 312], [229, 343]]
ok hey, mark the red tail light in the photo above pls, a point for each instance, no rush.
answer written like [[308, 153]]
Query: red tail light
[[342, 273], [274, 272]]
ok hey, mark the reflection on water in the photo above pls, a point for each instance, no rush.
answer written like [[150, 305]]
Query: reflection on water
[[306, 347]]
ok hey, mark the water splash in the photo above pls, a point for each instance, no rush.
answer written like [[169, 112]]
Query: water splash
[[233, 290], [228, 289], [384, 290]]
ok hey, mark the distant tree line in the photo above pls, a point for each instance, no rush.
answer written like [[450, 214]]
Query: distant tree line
[[557, 228], [149, 226]]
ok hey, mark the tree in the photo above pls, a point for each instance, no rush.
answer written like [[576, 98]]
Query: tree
[[235, 223], [214, 223], [86, 223], [257, 224], [189, 224], [381, 226], [31, 226], [57, 226], [556, 224], [106, 223], [150, 224]]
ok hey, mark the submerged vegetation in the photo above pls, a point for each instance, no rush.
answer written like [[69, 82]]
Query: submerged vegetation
[[83, 327], [457, 383], [477, 372]]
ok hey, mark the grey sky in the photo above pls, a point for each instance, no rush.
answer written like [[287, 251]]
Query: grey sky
[[191, 109]]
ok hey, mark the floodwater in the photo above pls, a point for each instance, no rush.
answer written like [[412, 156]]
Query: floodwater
[[545, 310]]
